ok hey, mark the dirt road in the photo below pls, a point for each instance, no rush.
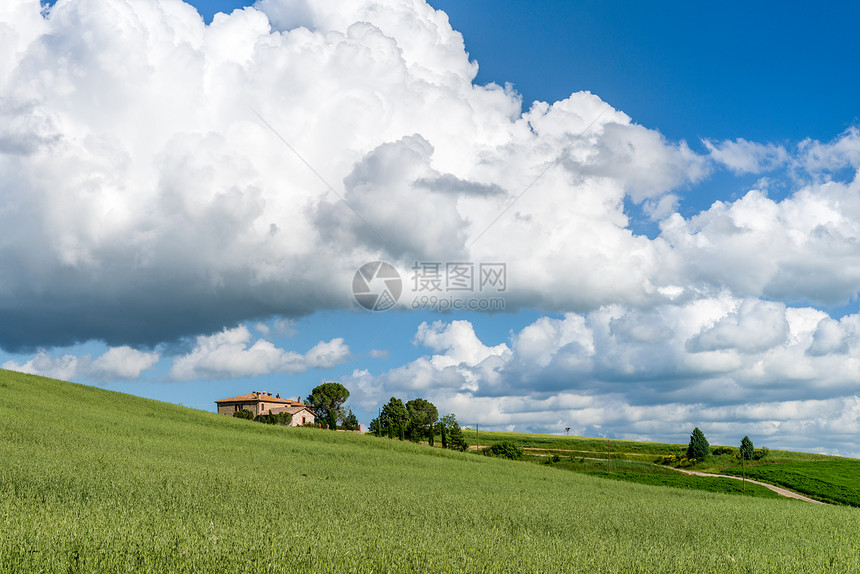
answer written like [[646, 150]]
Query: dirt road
[[777, 489]]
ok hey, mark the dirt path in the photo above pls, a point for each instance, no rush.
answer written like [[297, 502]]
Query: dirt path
[[777, 489]]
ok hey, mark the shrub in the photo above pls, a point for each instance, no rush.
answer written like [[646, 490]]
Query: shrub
[[283, 419], [722, 450], [244, 414], [505, 449], [761, 453]]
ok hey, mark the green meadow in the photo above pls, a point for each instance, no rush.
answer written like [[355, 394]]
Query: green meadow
[[827, 478], [656, 475], [834, 481], [567, 445], [540, 444], [97, 481]]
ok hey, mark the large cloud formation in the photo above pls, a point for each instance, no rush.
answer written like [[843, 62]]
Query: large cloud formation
[[161, 178], [148, 193], [778, 373]]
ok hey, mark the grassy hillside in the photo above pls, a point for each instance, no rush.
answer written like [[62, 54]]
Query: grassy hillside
[[95, 481], [621, 449], [627, 449], [649, 473], [830, 479]]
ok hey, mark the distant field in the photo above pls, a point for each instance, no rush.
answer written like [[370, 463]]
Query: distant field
[[643, 473], [620, 448], [564, 444], [830, 481], [96, 481], [827, 478]]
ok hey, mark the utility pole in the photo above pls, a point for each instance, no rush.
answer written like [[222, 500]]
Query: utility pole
[[477, 445], [608, 458], [744, 469]]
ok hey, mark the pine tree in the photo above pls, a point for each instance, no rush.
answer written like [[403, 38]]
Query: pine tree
[[453, 436], [747, 448], [421, 418], [699, 447], [375, 428], [444, 435], [393, 418]]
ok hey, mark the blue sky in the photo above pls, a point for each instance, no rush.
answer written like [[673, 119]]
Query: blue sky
[[226, 181]]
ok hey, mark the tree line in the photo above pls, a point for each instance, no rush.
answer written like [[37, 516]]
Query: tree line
[[417, 420], [699, 448]]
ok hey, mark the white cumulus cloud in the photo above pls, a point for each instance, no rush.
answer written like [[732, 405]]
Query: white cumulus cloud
[[152, 147], [742, 156], [117, 363], [235, 353], [733, 365]]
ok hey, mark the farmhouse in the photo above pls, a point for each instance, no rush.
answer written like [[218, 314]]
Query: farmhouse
[[263, 403]]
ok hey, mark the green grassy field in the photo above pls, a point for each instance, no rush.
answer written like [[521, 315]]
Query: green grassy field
[[836, 481], [647, 473], [623, 449], [554, 444], [95, 481], [827, 478]]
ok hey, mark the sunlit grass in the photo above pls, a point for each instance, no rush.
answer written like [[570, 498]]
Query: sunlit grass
[[836, 481], [94, 481]]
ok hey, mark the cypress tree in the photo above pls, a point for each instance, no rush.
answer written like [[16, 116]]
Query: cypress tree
[[747, 448], [444, 436], [456, 440], [699, 447]]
